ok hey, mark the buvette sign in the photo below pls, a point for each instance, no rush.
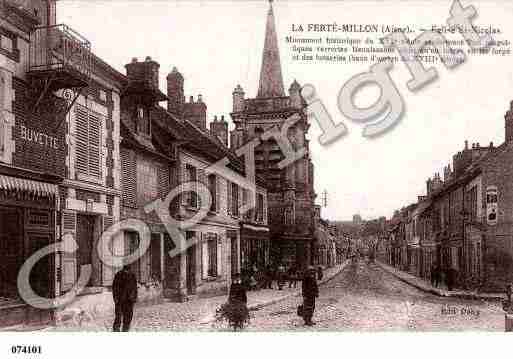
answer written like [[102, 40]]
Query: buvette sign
[[38, 137]]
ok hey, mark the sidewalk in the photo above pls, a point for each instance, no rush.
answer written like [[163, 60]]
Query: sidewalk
[[198, 314], [425, 286]]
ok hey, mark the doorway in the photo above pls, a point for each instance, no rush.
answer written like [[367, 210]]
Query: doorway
[[85, 241], [11, 251], [190, 261]]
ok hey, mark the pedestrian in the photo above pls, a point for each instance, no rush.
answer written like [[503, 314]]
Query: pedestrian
[[320, 274], [280, 276], [237, 291], [237, 309], [124, 292], [310, 291], [292, 274], [451, 276], [435, 275], [269, 276]]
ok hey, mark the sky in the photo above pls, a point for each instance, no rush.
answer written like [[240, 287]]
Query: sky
[[218, 44]]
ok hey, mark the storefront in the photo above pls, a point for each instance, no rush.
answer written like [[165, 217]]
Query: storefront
[[28, 202], [255, 245]]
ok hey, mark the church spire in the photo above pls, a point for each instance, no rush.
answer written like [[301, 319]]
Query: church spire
[[271, 81]]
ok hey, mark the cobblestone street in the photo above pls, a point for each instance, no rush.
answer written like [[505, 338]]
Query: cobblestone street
[[365, 298], [361, 298]]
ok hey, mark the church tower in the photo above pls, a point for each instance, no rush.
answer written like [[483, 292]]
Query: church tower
[[290, 190]]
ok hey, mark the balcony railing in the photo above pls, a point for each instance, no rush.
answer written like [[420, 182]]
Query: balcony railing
[[59, 48]]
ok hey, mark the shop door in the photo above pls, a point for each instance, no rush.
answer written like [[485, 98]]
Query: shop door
[[85, 240], [11, 251], [235, 254], [191, 272]]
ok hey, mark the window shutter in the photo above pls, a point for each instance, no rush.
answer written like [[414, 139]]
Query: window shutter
[[163, 181], [88, 142], [81, 150], [108, 271], [265, 219], [95, 140], [219, 250], [2, 102], [229, 196], [129, 178], [239, 200], [201, 178], [204, 256], [184, 178], [218, 194], [68, 259]]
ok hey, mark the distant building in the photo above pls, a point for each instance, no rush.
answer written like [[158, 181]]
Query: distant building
[[357, 219]]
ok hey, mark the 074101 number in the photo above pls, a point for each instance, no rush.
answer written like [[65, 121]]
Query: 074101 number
[[26, 349]]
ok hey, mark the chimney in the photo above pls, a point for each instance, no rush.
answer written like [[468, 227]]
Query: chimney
[[144, 73], [238, 99], [175, 94], [219, 129], [196, 112]]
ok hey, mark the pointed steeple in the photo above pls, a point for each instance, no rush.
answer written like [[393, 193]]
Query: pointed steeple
[[271, 80]]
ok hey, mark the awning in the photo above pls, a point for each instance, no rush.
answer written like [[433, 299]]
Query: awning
[[36, 188], [255, 228]]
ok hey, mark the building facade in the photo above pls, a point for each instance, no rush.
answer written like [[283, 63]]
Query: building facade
[[290, 189], [464, 221], [59, 152]]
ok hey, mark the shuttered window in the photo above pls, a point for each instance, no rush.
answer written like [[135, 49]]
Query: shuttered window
[[235, 199], [212, 255], [88, 142], [129, 178], [2, 101], [260, 208], [212, 186]]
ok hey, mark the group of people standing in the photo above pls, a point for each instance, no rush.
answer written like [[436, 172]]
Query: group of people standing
[[271, 277], [309, 287]]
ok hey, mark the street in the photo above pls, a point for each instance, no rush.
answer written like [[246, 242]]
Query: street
[[361, 298], [365, 298]]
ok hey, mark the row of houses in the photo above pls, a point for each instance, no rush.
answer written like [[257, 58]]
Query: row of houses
[[84, 147], [463, 222]]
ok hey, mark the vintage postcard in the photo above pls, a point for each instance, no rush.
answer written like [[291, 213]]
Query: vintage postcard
[[254, 166]]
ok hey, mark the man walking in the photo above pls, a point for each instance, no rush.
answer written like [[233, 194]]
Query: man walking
[[310, 291], [124, 292], [435, 275]]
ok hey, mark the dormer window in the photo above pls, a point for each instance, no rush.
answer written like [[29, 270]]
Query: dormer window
[[143, 120]]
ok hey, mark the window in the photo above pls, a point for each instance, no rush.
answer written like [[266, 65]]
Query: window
[[212, 186], [9, 44], [212, 255], [143, 121], [147, 181], [88, 142], [192, 176], [491, 198], [260, 208], [473, 203], [235, 199]]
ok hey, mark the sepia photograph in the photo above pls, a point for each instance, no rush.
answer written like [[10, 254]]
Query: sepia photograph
[[254, 167]]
